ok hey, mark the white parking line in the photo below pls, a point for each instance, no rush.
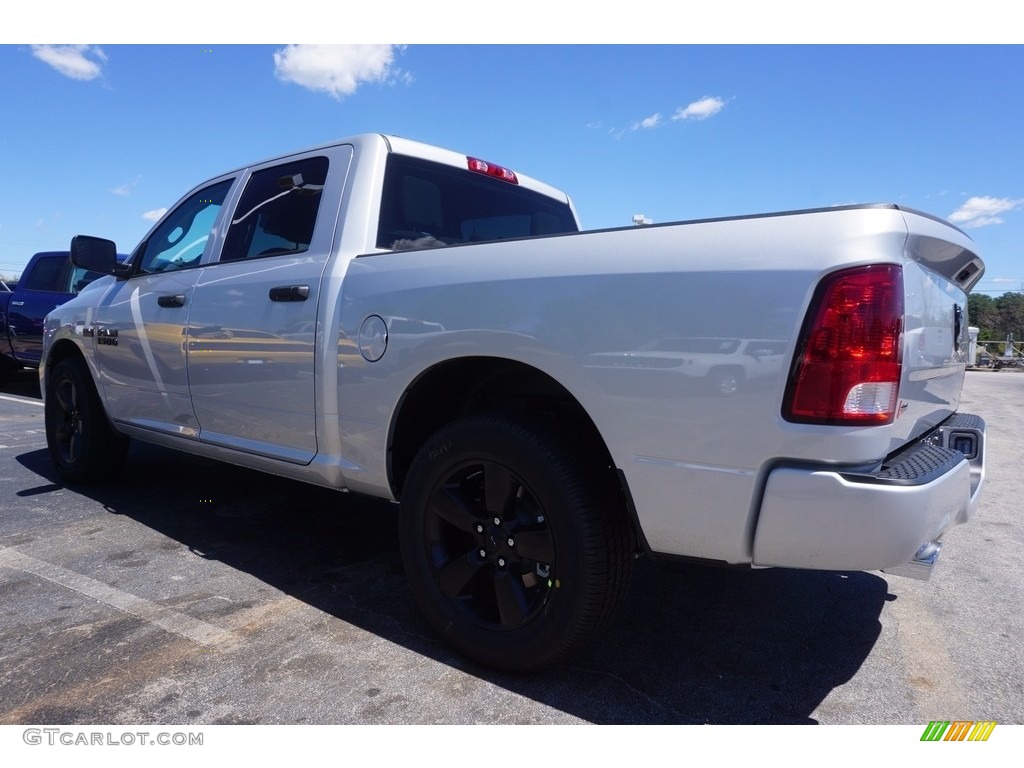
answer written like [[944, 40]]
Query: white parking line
[[26, 400], [172, 621]]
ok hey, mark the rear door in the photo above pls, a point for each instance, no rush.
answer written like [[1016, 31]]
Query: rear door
[[253, 322]]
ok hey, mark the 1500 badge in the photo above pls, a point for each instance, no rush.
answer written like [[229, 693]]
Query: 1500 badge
[[106, 336]]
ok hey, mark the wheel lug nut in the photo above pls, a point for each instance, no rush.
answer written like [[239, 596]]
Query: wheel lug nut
[[482, 553], [510, 541], [479, 528], [497, 520], [501, 562]]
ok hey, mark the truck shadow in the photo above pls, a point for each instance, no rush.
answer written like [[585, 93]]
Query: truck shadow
[[692, 645], [24, 383]]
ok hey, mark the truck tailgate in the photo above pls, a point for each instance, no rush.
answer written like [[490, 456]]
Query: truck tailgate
[[941, 268]]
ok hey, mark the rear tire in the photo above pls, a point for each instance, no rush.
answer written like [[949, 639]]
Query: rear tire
[[514, 542], [82, 444]]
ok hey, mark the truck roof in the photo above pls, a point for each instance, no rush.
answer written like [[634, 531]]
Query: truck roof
[[399, 145]]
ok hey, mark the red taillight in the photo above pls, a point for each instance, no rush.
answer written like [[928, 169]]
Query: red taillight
[[490, 169], [847, 368]]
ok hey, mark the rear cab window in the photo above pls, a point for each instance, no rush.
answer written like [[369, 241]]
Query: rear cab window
[[426, 204], [49, 274]]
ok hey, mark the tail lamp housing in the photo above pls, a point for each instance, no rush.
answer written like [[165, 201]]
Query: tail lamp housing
[[846, 370]]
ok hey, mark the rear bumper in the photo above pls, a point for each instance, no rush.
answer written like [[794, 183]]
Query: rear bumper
[[891, 519]]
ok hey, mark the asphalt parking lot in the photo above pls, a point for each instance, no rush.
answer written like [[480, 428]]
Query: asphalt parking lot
[[190, 592]]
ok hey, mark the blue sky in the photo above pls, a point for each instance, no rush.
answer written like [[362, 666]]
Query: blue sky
[[97, 139]]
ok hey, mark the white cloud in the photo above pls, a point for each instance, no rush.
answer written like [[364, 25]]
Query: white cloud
[[79, 62], [337, 69], [123, 190], [700, 109], [637, 125], [983, 211], [649, 122], [154, 215]]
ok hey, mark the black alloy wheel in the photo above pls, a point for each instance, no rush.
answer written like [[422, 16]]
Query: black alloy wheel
[[514, 540], [82, 444]]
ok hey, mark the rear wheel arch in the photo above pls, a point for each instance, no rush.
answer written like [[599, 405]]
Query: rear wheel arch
[[460, 387], [460, 423]]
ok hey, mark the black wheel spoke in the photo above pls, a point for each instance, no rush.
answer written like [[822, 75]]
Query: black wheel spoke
[[64, 436], [483, 523], [499, 488], [66, 397], [511, 599], [535, 545], [67, 427], [454, 577], [450, 505]]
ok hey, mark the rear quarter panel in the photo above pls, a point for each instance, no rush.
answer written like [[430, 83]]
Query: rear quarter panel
[[693, 459]]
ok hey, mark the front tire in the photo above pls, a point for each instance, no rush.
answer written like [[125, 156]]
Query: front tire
[[82, 444], [514, 540]]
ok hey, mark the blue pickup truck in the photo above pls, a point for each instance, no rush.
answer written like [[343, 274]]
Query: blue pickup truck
[[49, 280]]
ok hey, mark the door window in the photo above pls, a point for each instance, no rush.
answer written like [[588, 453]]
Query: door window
[[180, 239], [277, 212]]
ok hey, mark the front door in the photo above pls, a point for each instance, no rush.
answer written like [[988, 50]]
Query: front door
[[140, 325]]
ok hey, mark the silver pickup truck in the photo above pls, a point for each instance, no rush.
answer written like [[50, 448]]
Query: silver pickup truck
[[388, 318]]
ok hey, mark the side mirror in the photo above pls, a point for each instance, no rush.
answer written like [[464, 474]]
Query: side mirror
[[95, 254]]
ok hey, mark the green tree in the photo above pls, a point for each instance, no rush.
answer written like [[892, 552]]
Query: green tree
[[1011, 316], [983, 314]]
